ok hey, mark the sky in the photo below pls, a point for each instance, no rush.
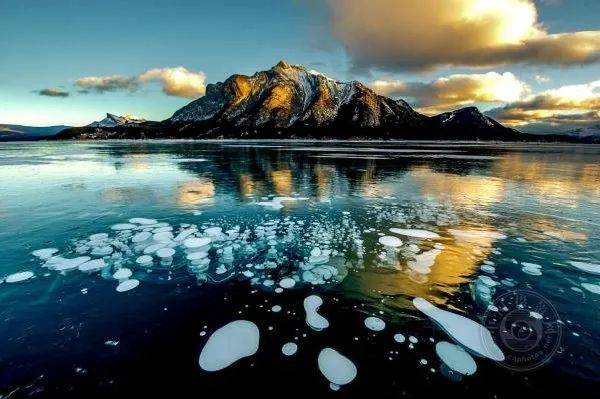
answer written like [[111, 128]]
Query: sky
[[530, 64]]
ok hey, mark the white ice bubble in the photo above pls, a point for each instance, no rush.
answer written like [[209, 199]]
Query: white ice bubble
[[423, 262], [143, 221], [162, 236], [18, 277], [228, 344], [141, 237], [337, 368], [390, 241], [465, 331], [289, 348], [59, 263], [374, 323], [415, 233], [196, 242], [123, 226], [165, 252], [399, 338], [593, 288], [127, 285], [314, 319], [535, 315], [93, 265], [122, 274], [102, 250], [276, 309], [287, 282], [44, 253], [456, 358], [533, 271], [144, 260], [586, 266]]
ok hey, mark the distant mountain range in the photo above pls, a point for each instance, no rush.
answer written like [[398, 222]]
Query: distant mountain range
[[292, 102], [20, 132], [112, 120]]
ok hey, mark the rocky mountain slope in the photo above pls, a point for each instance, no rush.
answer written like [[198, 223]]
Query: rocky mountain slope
[[290, 101]]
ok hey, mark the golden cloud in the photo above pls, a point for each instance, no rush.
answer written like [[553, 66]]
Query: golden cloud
[[455, 90], [428, 34], [575, 104], [176, 81]]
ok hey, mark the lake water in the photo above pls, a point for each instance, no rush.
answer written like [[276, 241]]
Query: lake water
[[505, 235]]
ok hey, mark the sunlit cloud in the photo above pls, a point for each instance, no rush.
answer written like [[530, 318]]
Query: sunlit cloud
[[429, 34], [573, 104], [455, 90], [175, 81], [53, 92]]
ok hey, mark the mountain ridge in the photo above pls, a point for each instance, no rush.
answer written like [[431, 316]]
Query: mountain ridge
[[289, 101]]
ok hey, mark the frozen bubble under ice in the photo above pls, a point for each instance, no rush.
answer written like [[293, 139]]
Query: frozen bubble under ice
[[313, 318], [374, 323], [18, 277], [230, 343], [465, 331], [586, 267], [456, 358], [337, 368], [289, 348], [287, 282], [415, 233], [127, 285], [390, 241]]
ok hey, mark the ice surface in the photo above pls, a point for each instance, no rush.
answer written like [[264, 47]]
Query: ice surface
[[476, 235], [314, 319], [337, 368], [230, 343], [456, 358], [465, 331]]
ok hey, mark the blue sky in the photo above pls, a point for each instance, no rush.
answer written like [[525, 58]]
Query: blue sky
[[52, 44]]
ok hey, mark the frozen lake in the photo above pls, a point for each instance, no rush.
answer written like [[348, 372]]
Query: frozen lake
[[389, 269]]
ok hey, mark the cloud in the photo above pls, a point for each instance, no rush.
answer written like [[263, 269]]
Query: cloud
[[429, 34], [454, 91], [101, 84], [573, 103], [176, 81], [53, 92]]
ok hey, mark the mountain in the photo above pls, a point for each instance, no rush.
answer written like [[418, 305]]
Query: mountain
[[290, 101], [470, 122], [112, 120], [23, 133]]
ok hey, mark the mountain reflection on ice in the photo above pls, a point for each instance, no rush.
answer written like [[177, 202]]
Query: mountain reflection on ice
[[159, 244]]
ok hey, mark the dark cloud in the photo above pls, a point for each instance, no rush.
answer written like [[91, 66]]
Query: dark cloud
[[53, 92]]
